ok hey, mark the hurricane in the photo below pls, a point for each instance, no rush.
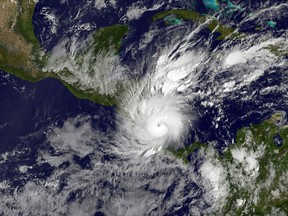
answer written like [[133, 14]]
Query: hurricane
[[152, 120], [191, 120]]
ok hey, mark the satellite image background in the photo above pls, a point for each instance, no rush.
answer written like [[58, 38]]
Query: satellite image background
[[143, 107]]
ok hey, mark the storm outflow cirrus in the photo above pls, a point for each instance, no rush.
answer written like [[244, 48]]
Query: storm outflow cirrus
[[154, 121]]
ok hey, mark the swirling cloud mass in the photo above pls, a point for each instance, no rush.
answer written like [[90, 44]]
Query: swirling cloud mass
[[125, 169], [153, 121]]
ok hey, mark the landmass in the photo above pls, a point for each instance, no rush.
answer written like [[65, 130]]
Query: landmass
[[21, 54], [221, 31], [18, 45], [255, 166], [86, 72]]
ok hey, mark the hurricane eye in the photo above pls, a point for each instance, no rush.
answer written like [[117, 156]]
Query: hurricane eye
[[158, 121]]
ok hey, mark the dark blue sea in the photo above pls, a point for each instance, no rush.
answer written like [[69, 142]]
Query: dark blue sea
[[28, 110]]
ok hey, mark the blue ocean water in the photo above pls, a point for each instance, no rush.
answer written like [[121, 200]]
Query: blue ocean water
[[30, 108], [237, 115], [27, 107], [212, 4], [72, 13], [27, 111]]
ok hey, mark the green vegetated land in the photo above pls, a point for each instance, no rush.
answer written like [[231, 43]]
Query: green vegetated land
[[266, 192], [184, 153], [273, 166], [109, 38], [214, 26], [106, 39], [24, 25], [21, 55], [278, 49], [180, 14], [93, 95], [17, 40]]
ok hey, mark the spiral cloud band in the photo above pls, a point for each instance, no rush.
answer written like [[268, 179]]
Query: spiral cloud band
[[153, 121]]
